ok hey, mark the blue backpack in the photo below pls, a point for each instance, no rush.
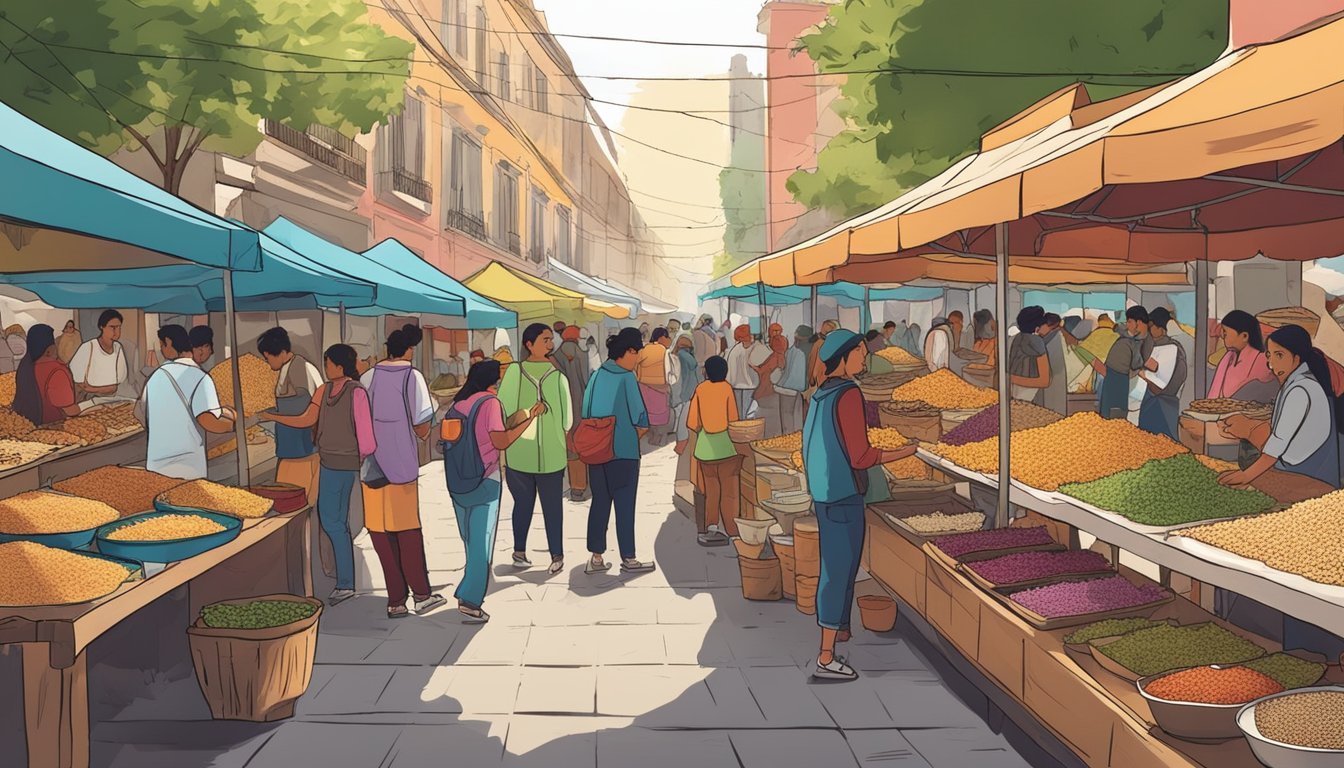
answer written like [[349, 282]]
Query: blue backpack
[[462, 465]]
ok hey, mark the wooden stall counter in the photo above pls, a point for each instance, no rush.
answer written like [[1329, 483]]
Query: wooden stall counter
[[270, 555]]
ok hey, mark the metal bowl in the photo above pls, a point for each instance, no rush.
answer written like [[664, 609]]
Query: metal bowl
[[1191, 720], [1276, 754]]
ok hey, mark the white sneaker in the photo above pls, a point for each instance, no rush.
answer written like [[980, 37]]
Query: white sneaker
[[836, 670], [340, 596]]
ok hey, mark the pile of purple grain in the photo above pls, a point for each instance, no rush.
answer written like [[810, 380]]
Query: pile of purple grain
[[1076, 598], [985, 424], [961, 544], [1020, 567]]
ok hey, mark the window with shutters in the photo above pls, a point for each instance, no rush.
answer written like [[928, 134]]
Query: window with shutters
[[525, 83], [406, 151], [562, 225], [502, 77], [536, 226], [460, 35], [466, 212], [482, 46], [540, 96], [506, 209]]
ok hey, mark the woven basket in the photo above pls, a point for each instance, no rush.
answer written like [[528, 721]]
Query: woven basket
[[746, 430], [1277, 318]]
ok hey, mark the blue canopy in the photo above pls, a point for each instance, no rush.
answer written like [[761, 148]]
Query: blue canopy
[[856, 293], [287, 280], [751, 294], [52, 184], [794, 294], [416, 274]]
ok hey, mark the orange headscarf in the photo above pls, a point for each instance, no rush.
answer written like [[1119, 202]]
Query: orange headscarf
[[742, 333], [775, 330], [571, 333]]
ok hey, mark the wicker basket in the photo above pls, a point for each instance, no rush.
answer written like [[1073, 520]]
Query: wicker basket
[[746, 430], [1277, 318]]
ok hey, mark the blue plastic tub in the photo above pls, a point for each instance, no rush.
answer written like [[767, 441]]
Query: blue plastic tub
[[167, 551]]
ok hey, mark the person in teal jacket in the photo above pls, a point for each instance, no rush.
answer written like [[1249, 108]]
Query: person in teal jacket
[[613, 391], [535, 464], [837, 457]]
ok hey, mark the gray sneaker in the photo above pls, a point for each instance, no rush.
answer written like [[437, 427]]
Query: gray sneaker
[[339, 596], [836, 670], [429, 603]]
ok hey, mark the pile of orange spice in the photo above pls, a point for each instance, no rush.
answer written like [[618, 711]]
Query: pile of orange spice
[[1210, 685]]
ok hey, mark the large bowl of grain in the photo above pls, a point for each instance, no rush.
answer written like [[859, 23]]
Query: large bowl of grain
[[1299, 728], [167, 537], [53, 519]]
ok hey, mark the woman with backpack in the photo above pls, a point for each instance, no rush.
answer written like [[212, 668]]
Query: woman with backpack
[[536, 461], [471, 466], [402, 413], [340, 411]]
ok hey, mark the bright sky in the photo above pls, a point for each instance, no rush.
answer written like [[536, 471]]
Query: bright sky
[[710, 21]]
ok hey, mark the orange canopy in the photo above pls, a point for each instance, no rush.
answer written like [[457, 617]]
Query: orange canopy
[[1243, 157]]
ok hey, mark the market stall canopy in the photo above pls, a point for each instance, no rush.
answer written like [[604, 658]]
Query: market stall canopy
[[1241, 157], [406, 284], [647, 306], [56, 197], [858, 294], [751, 294], [480, 311], [536, 299], [593, 287], [288, 280]]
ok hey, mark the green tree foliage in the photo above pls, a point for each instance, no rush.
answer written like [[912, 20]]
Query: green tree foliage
[[921, 106], [742, 192], [175, 76]]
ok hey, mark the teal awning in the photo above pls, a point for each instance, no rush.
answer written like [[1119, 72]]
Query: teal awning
[[568, 277], [50, 183], [751, 294], [793, 294], [855, 293], [471, 309], [288, 280]]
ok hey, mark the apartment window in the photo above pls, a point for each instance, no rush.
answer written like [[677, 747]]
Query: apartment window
[[502, 76], [562, 224], [525, 83], [536, 225], [466, 211], [506, 208], [325, 145], [406, 162], [540, 89], [459, 18], [482, 48]]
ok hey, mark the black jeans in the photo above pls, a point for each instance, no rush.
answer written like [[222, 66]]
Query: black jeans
[[615, 483], [525, 487]]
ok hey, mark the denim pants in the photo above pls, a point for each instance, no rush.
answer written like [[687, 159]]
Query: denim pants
[[525, 487], [615, 483], [334, 487], [477, 520], [840, 529]]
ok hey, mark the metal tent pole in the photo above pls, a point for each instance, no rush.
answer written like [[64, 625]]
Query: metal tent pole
[[231, 340], [1200, 363], [341, 308], [867, 317], [814, 309], [765, 310], [1001, 308]]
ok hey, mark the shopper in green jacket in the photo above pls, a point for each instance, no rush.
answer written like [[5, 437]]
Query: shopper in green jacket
[[535, 464]]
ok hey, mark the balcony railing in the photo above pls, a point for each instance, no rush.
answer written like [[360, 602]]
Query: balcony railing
[[514, 243], [328, 147], [408, 183], [468, 223]]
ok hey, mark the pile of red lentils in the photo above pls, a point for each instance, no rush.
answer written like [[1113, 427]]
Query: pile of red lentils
[[1211, 685]]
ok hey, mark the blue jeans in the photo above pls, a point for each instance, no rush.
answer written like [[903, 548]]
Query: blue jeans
[[615, 483], [525, 487], [840, 528], [477, 521], [334, 487]]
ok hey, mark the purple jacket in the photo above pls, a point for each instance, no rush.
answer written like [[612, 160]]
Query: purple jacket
[[390, 396]]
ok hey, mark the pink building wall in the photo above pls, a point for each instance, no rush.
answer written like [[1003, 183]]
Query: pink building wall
[[1261, 21], [791, 116]]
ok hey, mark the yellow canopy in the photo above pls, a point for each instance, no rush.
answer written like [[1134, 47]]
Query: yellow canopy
[[1251, 109], [536, 299]]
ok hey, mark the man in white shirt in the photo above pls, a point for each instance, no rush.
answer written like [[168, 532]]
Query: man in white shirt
[[741, 376], [178, 407], [943, 339], [99, 365]]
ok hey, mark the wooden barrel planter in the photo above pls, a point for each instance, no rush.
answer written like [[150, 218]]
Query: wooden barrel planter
[[783, 546], [255, 674], [807, 595], [807, 547]]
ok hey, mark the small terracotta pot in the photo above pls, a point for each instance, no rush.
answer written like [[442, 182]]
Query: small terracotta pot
[[877, 612]]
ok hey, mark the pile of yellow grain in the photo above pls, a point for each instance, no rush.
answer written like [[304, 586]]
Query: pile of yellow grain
[[898, 356], [886, 438], [127, 490], [1079, 448], [15, 453], [12, 425], [946, 391], [37, 512], [910, 468], [797, 459], [258, 384], [793, 441], [1306, 538], [55, 437], [34, 574], [166, 528], [8, 382], [115, 418], [213, 497], [87, 429]]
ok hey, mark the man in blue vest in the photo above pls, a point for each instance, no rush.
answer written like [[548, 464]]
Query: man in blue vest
[[838, 456]]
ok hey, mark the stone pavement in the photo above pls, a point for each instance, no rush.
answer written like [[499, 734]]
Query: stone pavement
[[671, 668]]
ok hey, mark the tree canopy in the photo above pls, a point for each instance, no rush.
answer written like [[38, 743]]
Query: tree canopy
[[742, 192], [929, 77], [174, 76]]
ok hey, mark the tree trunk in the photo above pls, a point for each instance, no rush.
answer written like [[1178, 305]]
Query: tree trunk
[[172, 164]]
